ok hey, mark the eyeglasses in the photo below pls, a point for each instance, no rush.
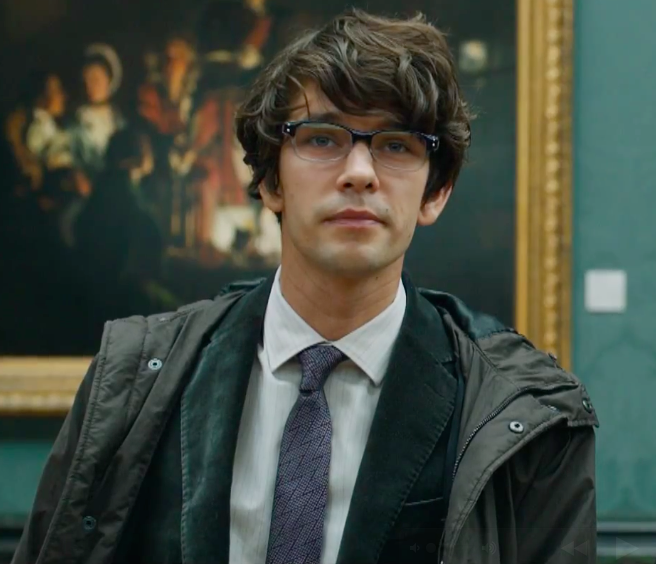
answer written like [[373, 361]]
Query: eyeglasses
[[325, 142]]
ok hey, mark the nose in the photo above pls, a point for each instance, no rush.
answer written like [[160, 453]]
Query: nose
[[358, 173]]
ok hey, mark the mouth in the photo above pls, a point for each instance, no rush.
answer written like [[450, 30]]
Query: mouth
[[355, 218]]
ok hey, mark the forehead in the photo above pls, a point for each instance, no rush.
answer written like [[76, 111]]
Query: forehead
[[311, 103], [53, 83], [178, 48], [95, 69]]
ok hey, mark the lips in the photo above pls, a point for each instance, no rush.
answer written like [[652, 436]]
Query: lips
[[351, 215]]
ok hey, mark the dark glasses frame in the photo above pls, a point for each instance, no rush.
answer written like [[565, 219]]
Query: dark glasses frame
[[432, 141]]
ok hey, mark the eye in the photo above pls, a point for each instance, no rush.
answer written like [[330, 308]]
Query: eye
[[320, 141], [396, 146]]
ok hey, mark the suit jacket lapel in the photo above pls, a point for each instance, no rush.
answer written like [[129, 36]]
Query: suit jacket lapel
[[416, 401], [211, 409]]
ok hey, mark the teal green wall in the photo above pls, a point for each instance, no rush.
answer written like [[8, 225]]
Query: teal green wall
[[615, 227], [24, 447]]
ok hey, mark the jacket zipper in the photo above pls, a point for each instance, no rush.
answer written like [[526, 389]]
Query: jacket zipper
[[482, 424]]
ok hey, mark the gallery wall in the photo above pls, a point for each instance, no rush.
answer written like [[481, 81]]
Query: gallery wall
[[614, 230]]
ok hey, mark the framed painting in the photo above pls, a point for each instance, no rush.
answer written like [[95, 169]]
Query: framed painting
[[123, 187]]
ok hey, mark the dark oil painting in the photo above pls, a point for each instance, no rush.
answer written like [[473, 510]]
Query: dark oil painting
[[122, 186]]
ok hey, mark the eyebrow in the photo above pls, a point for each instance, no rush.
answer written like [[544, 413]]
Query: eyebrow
[[333, 117], [338, 118]]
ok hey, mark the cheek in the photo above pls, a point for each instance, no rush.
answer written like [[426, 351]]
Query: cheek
[[285, 159], [298, 203], [407, 203], [416, 194], [298, 182], [289, 180]]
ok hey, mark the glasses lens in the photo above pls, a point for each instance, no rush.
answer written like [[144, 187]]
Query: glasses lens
[[321, 142], [399, 149]]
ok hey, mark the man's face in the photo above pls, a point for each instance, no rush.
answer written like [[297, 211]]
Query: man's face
[[97, 83], [312, 194]]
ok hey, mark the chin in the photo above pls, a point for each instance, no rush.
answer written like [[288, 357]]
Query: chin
[[352, 262]]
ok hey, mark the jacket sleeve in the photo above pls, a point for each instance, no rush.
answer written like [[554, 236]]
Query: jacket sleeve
[[54, 476], [555, 500]]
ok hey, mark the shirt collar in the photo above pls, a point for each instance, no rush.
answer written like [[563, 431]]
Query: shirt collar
[[370, 347]]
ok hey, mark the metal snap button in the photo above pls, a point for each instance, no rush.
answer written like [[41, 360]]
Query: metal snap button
[[89, 523], [516, 427], [154, 364], [587, 405]]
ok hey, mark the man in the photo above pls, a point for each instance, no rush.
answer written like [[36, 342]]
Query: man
[[421, 432]]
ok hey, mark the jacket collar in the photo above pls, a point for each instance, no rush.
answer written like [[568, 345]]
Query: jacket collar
[[217, 389], [415, 404]]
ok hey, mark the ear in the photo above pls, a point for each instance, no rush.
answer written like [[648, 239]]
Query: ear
[[431, 209], [271, 200]]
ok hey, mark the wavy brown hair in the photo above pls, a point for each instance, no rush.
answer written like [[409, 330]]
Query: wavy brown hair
[[403, 65]]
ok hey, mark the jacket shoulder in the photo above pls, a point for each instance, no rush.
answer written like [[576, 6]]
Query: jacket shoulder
[[514, 357], [226, 293], [476, 325], [126, 336], [503, 345]]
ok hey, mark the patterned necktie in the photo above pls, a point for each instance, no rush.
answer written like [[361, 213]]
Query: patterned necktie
[[299, 501]]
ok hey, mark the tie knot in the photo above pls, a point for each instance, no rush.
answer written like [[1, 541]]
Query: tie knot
[[317, 363]]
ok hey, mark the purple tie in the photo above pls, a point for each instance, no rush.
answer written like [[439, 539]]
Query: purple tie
[[299, 501]]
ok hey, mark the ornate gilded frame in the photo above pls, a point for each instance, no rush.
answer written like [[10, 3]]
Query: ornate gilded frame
[[544, 170], [46, 386]]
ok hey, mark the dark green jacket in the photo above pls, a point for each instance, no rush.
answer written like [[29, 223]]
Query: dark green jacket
[[523, 489]]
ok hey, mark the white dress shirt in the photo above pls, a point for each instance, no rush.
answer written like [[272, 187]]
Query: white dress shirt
[[352, 391]]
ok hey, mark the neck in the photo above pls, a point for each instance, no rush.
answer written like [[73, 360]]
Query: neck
[[336, 305]]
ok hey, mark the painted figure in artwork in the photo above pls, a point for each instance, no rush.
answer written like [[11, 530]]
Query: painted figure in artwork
[[165, 103], [98, 118], [42, 150], [39, 142], [231, 40]]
